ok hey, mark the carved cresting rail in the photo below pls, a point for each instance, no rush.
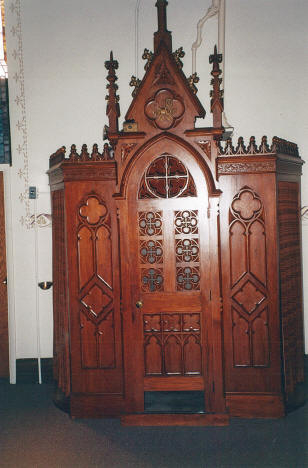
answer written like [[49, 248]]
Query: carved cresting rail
[[253, 157], [279, 145], [83, 156]]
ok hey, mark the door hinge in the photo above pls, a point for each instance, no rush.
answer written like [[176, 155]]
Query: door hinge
[[210, 294], [213, 387]]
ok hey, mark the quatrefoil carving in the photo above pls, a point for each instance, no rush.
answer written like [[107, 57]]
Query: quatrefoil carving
[[93, 210], [246, 205], [164, 109]]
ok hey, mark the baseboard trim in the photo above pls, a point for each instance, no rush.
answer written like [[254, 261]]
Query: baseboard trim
[[175, 419], [255, 406], [85, 405]]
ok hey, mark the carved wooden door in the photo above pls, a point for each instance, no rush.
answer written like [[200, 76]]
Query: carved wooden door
[[169, 270]]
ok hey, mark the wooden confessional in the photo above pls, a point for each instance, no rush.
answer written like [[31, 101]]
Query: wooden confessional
[[176, 261]]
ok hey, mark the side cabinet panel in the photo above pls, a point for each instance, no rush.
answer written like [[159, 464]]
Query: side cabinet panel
[[60, 299], [96, 338], [249, 274], [290, 285]]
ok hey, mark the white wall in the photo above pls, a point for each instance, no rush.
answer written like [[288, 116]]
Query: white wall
[[57, 84]]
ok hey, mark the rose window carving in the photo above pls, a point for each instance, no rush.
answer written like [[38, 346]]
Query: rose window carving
[[167, 177]]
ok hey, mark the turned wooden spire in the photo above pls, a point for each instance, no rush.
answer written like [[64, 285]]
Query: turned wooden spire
[[113, 108], [162, 34], [217, 106]]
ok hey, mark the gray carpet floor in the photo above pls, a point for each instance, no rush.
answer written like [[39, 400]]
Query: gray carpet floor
[[34, 433]]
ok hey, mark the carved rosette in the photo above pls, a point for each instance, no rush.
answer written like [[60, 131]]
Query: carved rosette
[[165, 109]]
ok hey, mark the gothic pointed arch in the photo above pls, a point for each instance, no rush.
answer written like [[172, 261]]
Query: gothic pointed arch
[[168, 143]]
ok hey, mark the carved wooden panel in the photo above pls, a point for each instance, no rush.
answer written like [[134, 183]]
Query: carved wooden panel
[[152, 280], [95, 284], [150, 223], [248, 275], [172, 344], [60, 307], [290, 283], [167, 177], [151, 250], [97, 342], [187, 258]]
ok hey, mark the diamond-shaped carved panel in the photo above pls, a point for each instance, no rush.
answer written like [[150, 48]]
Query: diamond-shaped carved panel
[[249, 297], [96, 301]]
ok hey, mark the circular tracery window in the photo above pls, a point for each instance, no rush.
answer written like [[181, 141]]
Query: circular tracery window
[[167, 177]]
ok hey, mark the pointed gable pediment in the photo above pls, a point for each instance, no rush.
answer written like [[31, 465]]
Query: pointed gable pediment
[[164, 98]]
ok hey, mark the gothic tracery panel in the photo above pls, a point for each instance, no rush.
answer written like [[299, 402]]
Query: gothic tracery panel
[[187, 257], [97, 343], [152, 280], [188, 278], [249, 293], [187, 250], [150, 223], [85, 255], [186, 222], [172, 344], [151, 251], [103, 255], [95, 284], [92, 210]]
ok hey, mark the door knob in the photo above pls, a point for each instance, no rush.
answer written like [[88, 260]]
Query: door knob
[[139, 304], [4, 281]]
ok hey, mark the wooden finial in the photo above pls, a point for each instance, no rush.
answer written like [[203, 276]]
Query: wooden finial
[[162, 33], [113, 108], [217, 106]]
